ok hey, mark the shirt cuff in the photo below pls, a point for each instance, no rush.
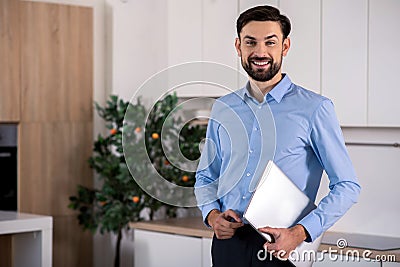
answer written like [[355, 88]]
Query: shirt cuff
[[205, 210], [312, 225]]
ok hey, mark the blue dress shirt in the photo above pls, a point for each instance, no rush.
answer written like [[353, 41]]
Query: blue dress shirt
[[295, 128]]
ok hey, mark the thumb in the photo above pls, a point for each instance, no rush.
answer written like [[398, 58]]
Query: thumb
[[269, 230], [233, 215]]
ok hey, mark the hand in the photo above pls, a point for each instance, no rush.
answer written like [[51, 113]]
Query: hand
[[286, 240], [222, 223]]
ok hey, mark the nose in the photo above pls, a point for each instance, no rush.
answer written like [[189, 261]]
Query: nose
[[260, 50]]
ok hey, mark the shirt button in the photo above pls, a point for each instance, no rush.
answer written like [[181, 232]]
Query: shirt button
[[248, 174], [243, 197], [259, 107], [251, 151], [255, 129]]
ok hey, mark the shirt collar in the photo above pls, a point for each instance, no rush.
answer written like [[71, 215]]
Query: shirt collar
[[277, 93]]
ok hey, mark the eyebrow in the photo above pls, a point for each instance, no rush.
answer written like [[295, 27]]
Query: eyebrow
[[265, 38]]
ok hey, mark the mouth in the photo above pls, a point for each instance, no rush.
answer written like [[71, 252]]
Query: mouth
[[260, 63]]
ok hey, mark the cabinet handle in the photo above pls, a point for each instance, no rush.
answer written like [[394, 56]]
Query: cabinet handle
[[397, 145], [5, 154]]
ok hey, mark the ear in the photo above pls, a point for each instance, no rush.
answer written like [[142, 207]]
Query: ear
[[237, 46], [286, 46]]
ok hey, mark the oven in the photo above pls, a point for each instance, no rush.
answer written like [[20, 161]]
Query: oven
[[8, 167]]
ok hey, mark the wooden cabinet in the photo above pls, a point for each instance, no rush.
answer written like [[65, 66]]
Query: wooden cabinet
[[56, 63], [344, 58], [303, 62], [10, 61], [56, 124], [384, 55]]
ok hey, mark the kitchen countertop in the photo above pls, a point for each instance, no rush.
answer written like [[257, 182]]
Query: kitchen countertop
[[31, 238], [16, 222], [193, 226]]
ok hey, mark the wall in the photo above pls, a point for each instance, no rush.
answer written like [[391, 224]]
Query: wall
[[135, 37], [138, 50], [130, 45], [54, 48]]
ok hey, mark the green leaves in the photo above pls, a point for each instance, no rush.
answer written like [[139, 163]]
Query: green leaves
[[119, 199]]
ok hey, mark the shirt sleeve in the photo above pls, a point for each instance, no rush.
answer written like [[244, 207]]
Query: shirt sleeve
[[208, 171], [327, 141]]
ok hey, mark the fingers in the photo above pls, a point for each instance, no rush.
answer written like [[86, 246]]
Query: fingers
[[224, 228], [285, 242], [269, 230], [275, 232], [231, 214], [224, 233], [226, 219]]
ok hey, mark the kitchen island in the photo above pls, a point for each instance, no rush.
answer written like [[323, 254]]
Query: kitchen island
[[187, 242], [30, 239]]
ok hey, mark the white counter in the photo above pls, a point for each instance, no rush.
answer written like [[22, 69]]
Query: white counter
[[31, 238]]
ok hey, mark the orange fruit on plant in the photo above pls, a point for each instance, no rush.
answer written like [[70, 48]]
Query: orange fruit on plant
[[135, 199], [137, 130], [155, 135], [113, 131], [185, 178], [102, 203]]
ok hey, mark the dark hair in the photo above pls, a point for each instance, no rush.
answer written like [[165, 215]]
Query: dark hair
[[263, 13]]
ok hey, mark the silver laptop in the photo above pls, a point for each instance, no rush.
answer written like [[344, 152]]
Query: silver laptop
[[277, 202]]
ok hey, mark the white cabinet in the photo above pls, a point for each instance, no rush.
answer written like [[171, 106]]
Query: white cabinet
[[344, 58], [219, 33], [32, 237], [359, 68], [206, 251], [391, 264], [384, 56], [303, 62], [153, 249], [184, 39], [198, 32], [337, 260], [184, 31], [246, 4]]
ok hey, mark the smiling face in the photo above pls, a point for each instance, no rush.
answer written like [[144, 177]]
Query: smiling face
[[261, 48]]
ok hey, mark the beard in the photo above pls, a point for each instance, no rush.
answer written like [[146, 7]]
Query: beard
[[259, 74]]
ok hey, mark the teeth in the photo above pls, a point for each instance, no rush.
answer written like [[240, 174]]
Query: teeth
[[261, 63]]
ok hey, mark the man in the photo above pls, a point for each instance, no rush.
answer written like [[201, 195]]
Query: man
[[308, 141]]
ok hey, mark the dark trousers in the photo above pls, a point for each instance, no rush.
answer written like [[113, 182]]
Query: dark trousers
[[243, 250]]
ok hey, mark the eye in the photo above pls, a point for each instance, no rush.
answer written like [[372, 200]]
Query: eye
[[250, 43], [270, 43]]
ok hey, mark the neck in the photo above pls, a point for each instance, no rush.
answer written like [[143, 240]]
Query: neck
[[266, 87]]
